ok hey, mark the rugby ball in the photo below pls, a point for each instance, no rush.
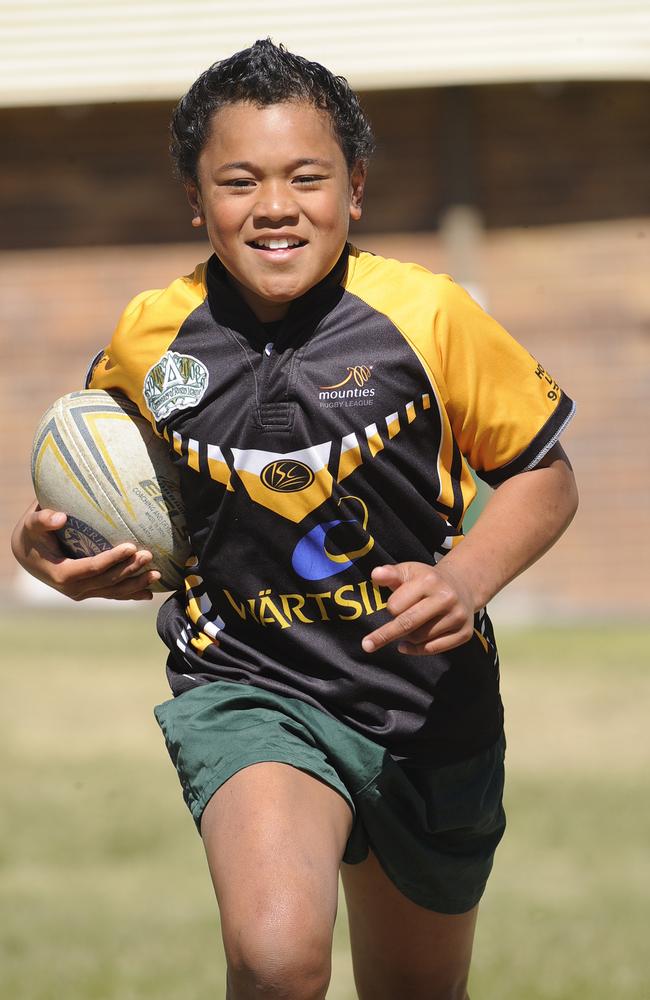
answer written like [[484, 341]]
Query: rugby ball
[[96, 458]]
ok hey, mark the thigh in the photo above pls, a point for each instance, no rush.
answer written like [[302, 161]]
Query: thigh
[[274, 838], [400, 948]]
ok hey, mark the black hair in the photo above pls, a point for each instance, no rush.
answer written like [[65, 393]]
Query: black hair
[[266, 74]]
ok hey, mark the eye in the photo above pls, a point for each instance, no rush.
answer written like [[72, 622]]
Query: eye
[[239, 182], [306, 179]]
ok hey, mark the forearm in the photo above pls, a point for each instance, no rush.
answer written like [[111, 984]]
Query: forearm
[[522, 520]]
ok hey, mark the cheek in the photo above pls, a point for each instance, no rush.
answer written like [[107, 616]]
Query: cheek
[[223, 221], [335, 219]]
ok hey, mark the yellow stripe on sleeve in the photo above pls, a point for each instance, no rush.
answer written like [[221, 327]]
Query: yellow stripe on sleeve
[[375, 443], [193, 454], [217, 467], [350, 457], [392, 425]]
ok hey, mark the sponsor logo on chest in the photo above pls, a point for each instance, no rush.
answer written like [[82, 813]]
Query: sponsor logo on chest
[[352, 390]]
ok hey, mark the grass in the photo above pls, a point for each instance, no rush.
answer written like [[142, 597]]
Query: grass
[[103, 886]]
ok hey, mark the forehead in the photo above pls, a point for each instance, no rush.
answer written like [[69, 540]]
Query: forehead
[[244, 131]]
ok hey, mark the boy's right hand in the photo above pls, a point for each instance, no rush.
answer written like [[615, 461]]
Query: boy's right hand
[[120, 573]]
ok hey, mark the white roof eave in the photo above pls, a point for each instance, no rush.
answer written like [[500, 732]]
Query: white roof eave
[[76, 52]]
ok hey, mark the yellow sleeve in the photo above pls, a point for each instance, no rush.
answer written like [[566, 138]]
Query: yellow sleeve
[[505, 409], [148, 326]]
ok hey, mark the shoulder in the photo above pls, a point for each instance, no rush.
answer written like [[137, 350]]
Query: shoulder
[[164, 308], [426, 308], [393, 286], [148, 326]]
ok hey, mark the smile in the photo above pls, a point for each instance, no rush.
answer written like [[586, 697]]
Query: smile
[[280, 243]]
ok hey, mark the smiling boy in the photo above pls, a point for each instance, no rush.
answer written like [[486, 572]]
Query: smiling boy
[[334, 670], [276, 196]]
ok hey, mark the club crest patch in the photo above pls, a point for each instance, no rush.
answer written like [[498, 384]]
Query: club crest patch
[[175, 382]]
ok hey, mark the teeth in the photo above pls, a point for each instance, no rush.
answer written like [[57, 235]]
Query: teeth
[[282, 244]]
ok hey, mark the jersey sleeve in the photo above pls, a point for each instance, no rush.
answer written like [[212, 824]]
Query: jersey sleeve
[[505, 409], [121, 365], [148, 326]]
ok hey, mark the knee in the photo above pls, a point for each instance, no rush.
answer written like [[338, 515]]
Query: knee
[[278, 959]]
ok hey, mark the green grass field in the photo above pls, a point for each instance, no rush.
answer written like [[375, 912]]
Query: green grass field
[[103, 887]]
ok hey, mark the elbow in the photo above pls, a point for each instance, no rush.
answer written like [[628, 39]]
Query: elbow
[[566, 488], [570, 497], [573, 500]]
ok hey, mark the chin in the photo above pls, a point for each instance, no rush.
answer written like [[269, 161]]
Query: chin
[[284, 295]]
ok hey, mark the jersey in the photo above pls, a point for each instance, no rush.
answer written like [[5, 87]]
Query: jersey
[[341, 440]]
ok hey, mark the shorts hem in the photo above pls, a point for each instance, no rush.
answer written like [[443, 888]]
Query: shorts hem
[[449, 908], [198, 803], [413, 892]]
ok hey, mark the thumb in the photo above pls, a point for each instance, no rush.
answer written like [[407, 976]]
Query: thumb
[[48, 520]]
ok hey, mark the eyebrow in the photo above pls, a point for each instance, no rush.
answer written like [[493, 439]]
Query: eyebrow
[[302, 162]]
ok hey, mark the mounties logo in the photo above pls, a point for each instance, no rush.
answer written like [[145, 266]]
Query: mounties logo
[[351, 390], [175, 382], [287, 477], [359, 373]]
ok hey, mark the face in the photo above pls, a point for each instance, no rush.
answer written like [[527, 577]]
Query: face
[[276, 196]]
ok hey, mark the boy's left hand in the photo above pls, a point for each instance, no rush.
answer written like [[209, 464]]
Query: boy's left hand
[[432, 608]]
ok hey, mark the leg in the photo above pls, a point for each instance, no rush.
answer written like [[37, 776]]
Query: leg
[[274, 837], [400, 948]]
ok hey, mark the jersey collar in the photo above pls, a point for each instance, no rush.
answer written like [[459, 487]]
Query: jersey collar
[[228, 307]]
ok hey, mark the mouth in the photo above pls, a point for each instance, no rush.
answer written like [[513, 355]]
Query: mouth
[[277, 244]]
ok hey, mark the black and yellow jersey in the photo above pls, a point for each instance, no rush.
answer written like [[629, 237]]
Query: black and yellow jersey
[[315, 449]]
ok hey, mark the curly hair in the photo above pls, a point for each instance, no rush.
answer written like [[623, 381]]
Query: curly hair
[[266, 74]]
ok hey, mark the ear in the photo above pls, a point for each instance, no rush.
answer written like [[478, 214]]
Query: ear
[[357, 186], [194, 198]]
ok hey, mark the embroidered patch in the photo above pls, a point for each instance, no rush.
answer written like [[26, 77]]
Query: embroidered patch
[[175, 382]]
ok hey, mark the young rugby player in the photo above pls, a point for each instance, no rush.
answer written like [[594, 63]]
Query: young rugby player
[[334, 670]]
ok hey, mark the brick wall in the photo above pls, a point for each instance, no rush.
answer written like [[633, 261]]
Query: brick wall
[[559, 175], [526, 155], [576, 296]]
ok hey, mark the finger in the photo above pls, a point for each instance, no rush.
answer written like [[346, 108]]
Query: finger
[[136, 584], [391, 575], [433, 647], [118, 581], [132, 589], [401, 626], [136, 588], [102, 562], [410, 583], [138, 564], [81, 578], [40, 521], [452, 622]]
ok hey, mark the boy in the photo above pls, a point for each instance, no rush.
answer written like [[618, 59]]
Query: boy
[[334, 670]]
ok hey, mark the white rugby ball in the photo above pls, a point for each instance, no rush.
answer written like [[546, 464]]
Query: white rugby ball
[[96, 458]]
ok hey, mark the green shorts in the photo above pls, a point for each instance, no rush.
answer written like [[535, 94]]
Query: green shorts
[[434, 829]]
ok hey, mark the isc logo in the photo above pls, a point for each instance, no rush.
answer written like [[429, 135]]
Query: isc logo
[[287, 477]]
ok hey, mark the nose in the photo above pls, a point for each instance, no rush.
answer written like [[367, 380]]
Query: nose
[[275, 204]]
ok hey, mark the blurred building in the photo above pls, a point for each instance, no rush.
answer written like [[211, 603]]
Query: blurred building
[[513, 152]]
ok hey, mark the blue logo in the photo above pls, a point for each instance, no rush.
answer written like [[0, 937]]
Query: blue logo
[[312, 560]]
